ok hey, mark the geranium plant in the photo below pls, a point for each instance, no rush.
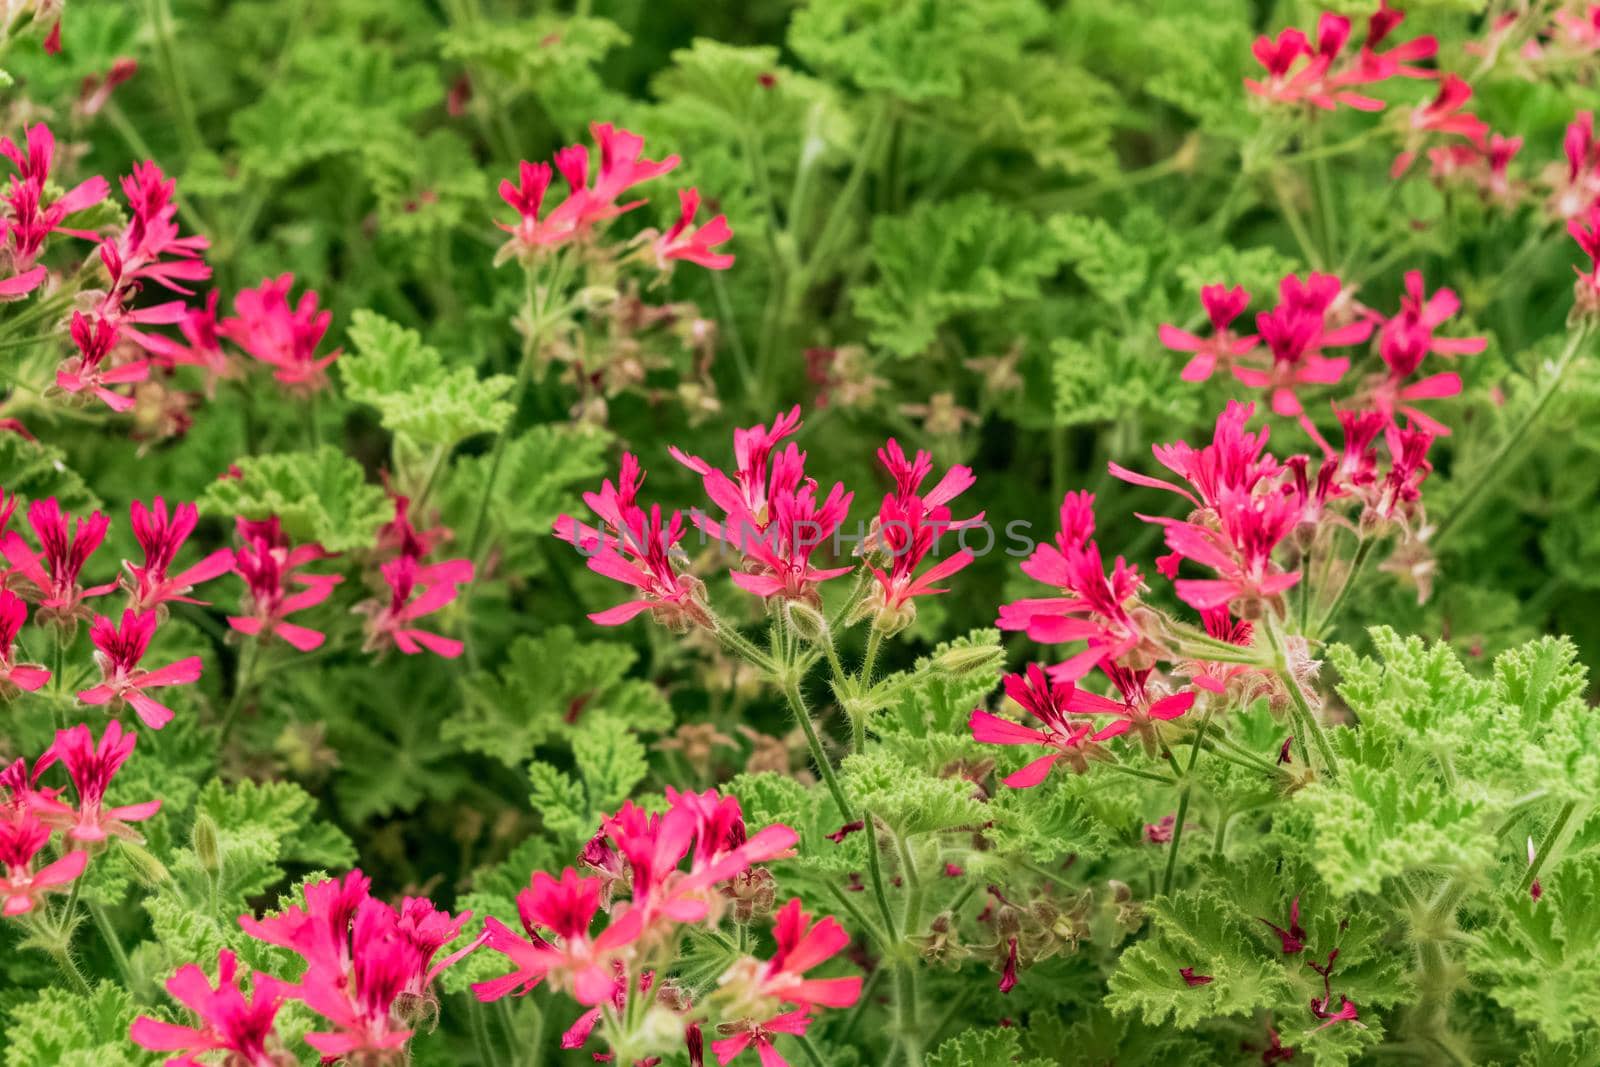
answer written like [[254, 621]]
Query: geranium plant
[[948, 533]]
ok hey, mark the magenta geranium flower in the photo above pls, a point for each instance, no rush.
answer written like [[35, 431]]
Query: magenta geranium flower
[[695, 245], [118, 650], [285, 338], [1222, 305], [65, 546], [1096, 607], [759, 1036], [91, 767], [162, 535], [30, 219], [239, 1025], [637, 548], [416, 590], [21, 883], [1406, 340], [1047, 702], [95, 340], [270, 567], [910, 525], [150, 248], [25, 676], [1137, 709]]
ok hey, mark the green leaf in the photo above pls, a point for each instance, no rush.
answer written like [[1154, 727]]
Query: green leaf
[[32, 470], [916, 50], [538, 479], [910, 801], [415, 393], [66, 1029], [1541, 959], [944, 259], [320, 496], [983, 1047]]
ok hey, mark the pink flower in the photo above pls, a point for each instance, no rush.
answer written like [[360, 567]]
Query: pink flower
[[162, 537], [1098, 608], [800, 947], [91, 768], [1587, 234], [95, 340], [29, 220], [1401, 488], [53, 572], [621, 167], [1048, 702], [1138, 709], [1239, 547], [320, 931], [25, 676], [268, 566], [1322, 76], [569, 957], [752, 450], [1444, 114], [118, 652], [1295, 333], [415, 591], [1407, 339], [1576, 190], [149, 248], [1235, 461], [909, 528], [1222, 306], [636, 548], [759, 1036], [230, 1022], [400, 537], [201, 347], [1217, 677], [694, 246], [284, 338], [21, 838]]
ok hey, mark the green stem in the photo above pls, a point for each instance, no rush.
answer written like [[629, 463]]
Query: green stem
[[1548, 845], [1307, 719], [846, 199], [913, 886], [1357, 564], [907, 995], [242, 683], [810, 1050], [868, 661], [875, 871], [797, 704], [108, 934], [1183, 800], [188, 126], [1499, 464]]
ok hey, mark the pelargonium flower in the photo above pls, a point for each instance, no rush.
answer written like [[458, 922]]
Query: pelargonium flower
[[238, 1025], [1401, 488], [401, 537], [415, 591], [162, 535], [283, 337], [1577, 187], [1485, 165], [53, 573], [118, 650], [320, 931], [1296, 332], [909, 527], [25, 676], [86, 372], [696, 245], [569, 957], [91, 767], [802, 945], [636, 548], [21, 886], [1239, 547], [1236, 461], [201, 346], [1095, 607], [1406, 340], [1138, 709], [1222, 305], [1323, 76], [150, 248], [752, 450], [759, 1036], [29, 219], [1047, 701], [1442, 114], [269, 566], [622, 166], [1586, 232]]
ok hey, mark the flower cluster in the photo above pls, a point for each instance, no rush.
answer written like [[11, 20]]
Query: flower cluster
[[369, 973], [416, 587], [653, 876], [1326, 74], [589, 203], [32, 814]]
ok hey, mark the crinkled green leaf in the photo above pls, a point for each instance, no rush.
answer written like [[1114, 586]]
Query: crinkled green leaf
[[320, 496]]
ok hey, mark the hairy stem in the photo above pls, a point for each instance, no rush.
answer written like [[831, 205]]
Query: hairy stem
[[797, 704]]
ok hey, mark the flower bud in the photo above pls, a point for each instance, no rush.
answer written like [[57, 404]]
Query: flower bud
[[961, 661], [203, 839], [805, 620], [147, 870]]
